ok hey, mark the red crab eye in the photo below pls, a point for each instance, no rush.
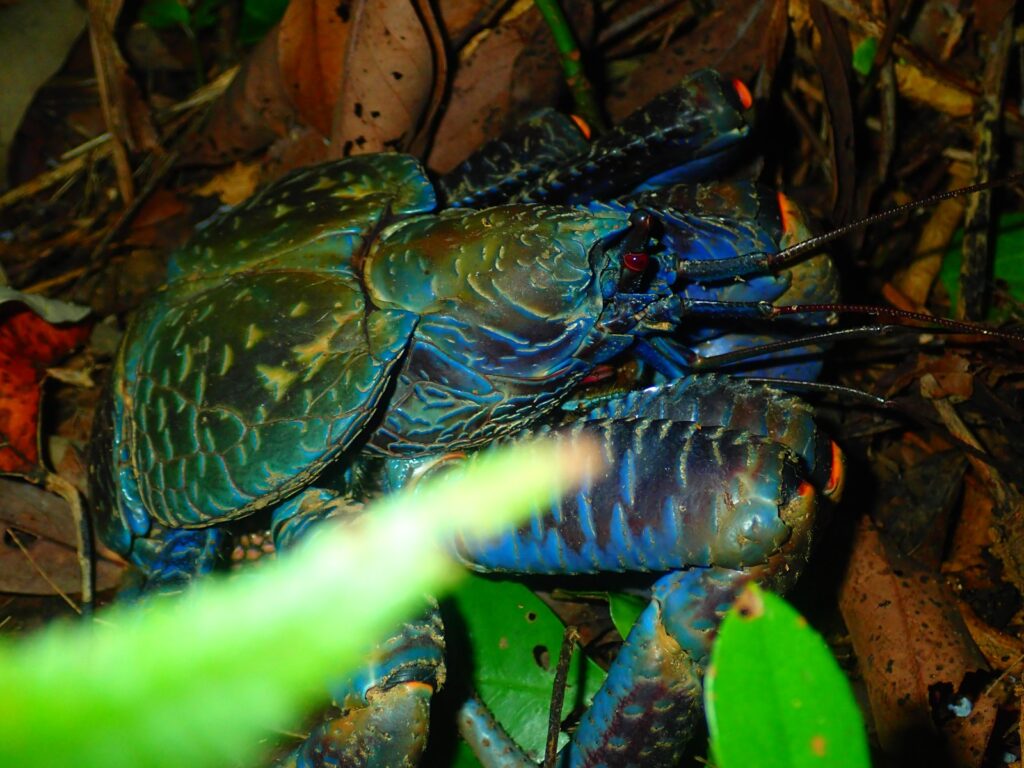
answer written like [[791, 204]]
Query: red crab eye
[[635, 261]]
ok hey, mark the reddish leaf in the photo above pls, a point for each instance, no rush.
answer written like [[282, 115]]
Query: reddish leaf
[[28, 346]]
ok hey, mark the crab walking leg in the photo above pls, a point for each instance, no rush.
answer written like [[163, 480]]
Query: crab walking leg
[[714, 508], [647, 711], [385, 706], [385, 710]]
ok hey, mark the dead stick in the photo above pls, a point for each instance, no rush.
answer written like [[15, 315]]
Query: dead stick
[[569, 640]]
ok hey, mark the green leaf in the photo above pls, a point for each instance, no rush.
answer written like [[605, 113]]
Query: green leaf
[[864, 55], [162, 685], [625, 610], [1008, 266], [515, 640], [774, 694], [161, 14], [258, 16]]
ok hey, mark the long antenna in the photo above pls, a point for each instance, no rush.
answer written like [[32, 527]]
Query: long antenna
[[816, 242], [959, 326]]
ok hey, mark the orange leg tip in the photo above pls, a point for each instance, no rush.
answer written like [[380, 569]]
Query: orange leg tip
[[583, 125], [785, 213], [838, 475], [744, 93]]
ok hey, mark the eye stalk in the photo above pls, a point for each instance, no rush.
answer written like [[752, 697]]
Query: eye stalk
[[633, 249]]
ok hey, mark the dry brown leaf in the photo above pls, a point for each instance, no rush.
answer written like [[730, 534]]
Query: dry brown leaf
[[908, 635], [234, 184], [388, 79], [502, 74], [463, 18], [918, 86], [967, 561], [42, 523], [331, 81], [949, 378], [254, 110], [311, 45], [1002, 651], [916, 281], [158, 222], [968, 737]]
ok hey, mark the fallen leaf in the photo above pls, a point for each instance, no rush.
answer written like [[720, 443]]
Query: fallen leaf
[[916, 280], [949, 378], [234, 184], [909, 637], [1002, 651], [335, 79], [918, 86], [462, 19], [503, 73], [158, 223], [388, 80], [312, 43], [28, 345], [51, 310], [43, 525]]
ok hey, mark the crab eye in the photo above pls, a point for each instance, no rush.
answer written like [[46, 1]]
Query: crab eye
[[636, 261]]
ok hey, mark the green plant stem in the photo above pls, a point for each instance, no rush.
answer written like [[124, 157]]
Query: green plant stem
[[569, 55]]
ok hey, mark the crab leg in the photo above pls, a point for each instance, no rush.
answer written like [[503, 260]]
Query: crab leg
[[704, 503]]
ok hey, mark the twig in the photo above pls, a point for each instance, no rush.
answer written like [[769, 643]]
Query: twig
[[975, 272], [102, 18], [928, 67], [46, 577], [83, 533], [420, 142], [627, 24], [51, 177], [165, 165], [99, 147], [569, 640]]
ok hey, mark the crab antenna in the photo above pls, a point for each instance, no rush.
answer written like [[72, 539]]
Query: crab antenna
[[837, 390], [814, 243], [960, 326]]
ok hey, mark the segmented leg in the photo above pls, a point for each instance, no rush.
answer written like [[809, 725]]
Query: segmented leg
[[687, 133], [383, 709], [169, 559], [714, 506], [388, 731], [648, 709]]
